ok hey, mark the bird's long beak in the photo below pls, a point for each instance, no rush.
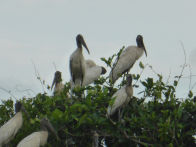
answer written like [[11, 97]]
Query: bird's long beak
[[54, 81], [145, 51], [84, 44], [26, 113]]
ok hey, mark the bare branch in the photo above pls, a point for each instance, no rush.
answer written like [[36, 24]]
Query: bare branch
[[190, 79], [169, 76], [54, 66], [141, 73], [38, 75], [134, 139], [8, 91], [183, 66]]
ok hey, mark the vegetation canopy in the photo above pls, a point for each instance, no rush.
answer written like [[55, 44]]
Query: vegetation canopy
[[156, 118]]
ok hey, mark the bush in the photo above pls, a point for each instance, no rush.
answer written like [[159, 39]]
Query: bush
[[158, 118]]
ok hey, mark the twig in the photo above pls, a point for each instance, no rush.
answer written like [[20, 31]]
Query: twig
[[153, 70], [190, 79], [54, 66], [140, 74], [116, 62], [167, 82], [25, 90], [183, 66], [193, 86], [135, 140], [188, 76], [8, 91], [38, 75]]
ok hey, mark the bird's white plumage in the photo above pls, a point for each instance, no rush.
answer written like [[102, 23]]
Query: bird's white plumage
[[9, 129], [121, 98], [92, 74], [35, 139], [126, 60], [90, 63], [77, 67], [58, 88]]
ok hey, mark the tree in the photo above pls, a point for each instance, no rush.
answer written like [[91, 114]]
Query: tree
[[157, 118]]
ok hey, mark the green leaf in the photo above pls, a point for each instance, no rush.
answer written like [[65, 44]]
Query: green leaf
[[190, 94], [175, 83], [141, 65]]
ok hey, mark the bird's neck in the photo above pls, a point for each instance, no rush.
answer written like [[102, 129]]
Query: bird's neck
[[79, 50], [43, 128], [79, 44], [129, 90], [140, 44], [19, 113], [44, 137]]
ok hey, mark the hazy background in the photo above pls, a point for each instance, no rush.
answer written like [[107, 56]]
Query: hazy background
[[44, 31]]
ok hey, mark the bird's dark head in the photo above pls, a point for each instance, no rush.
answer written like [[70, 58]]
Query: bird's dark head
[[103, 70], [57, 78], [129, 80], [47, 126], [80, 41], [19, 107], [140, 43]]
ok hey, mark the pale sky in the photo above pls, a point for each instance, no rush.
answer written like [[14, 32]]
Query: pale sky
[[44, 31]]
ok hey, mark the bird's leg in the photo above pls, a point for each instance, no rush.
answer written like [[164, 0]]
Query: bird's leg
[[114, 123], [71, 93], [119, 115]]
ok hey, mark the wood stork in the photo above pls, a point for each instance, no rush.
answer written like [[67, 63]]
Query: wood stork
[[37, 139], [127, 59], [9, 129], [77, 62], [57, 83], [93, 72], [121, 97]]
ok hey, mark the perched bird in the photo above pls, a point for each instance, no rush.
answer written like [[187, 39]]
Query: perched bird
[[77, 62], [57, 83], [37, 139], [121, 97], [9, 129], [93, 72], [127, 59]]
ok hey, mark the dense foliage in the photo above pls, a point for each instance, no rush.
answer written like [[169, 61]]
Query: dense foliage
[[157, 118]]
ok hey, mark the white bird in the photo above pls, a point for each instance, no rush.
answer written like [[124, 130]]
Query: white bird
[[40, 138], [77, 62], [57, 83], [9, 129], [127, 59], [93, 72], [121, 97]]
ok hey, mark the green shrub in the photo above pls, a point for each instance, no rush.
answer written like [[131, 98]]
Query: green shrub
[[157, 118]]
